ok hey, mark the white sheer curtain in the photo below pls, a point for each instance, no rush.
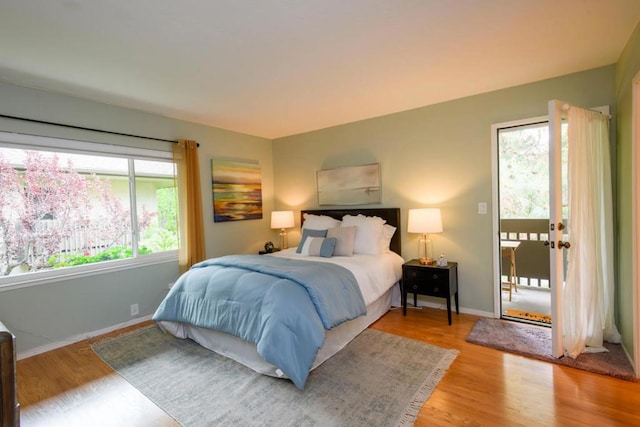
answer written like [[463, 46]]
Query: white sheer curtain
[[588, 292]]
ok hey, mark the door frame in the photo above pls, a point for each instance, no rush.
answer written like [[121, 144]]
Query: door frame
[[495, 203], [635, 223]]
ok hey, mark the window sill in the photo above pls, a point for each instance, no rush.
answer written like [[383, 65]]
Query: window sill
[[42, 278]]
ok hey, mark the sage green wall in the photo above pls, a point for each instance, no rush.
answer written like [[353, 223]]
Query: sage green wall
[[439, 156], [626, 69], [54, 312]]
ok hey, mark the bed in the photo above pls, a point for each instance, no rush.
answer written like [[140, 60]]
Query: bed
[[303, 318]]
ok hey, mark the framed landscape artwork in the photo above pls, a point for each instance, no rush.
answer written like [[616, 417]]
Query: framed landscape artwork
[[353, 185], [237, 190]]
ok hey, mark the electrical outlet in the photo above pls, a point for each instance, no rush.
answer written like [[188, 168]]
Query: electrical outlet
[[134, 310], [482, 208]]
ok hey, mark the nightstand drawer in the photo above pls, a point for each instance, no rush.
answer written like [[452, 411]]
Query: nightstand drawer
[[424, 275], [436, 288]]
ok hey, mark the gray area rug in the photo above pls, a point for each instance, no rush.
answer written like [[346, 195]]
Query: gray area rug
[[535, 341], [378, 379]]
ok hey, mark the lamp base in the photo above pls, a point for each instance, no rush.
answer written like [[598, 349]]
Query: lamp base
[[426, 251], [283, 238]]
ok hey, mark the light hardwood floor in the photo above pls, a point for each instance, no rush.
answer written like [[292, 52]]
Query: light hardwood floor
[[71, 386]]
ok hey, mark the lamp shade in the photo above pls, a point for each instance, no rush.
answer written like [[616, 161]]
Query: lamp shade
[[282, 219], [425, 221]]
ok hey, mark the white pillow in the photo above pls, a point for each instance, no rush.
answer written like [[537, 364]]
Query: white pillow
[[368, 234], [385, 241], [319, 222]]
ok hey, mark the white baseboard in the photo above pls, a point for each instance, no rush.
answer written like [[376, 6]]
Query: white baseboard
[[442, 306], [76, 338], [633, 365]]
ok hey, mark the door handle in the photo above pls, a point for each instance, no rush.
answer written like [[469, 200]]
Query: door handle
[[547, 243], [562, 244]]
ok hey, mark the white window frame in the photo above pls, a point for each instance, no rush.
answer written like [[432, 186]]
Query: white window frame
[[25, 141]]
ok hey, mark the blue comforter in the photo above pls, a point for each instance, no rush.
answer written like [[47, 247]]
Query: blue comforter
[[281, 305]]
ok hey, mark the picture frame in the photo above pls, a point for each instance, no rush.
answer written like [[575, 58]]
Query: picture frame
[[351, 185], [237, 190]]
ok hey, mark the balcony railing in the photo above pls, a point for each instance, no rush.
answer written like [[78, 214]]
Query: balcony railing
[[532, 256]]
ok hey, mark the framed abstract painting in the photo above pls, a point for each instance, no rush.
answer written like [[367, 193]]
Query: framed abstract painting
[[237, 190]]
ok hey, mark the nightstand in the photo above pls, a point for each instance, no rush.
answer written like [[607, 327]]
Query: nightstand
[[430, 280]]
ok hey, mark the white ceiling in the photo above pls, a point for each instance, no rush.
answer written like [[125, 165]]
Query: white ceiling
[[280, 67]]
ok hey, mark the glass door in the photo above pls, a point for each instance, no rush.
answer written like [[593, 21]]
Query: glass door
[[523, 220]]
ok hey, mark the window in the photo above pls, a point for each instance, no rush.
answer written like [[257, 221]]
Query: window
[[68, 209]]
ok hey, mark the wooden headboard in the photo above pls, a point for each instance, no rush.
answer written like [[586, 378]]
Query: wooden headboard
[[391, 215]]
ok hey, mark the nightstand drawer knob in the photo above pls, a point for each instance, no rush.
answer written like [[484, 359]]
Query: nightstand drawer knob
[[414, 287], [435, 277], [435, 290]]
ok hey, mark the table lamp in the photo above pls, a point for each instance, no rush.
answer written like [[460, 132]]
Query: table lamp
[[425, 221], [282, 220]]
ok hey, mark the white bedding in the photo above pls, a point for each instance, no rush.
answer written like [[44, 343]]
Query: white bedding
[[377, 276]]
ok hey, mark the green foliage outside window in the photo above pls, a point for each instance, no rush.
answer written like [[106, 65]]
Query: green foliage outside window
[[113, 253]]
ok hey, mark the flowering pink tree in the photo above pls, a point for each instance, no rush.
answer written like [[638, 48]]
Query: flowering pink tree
[[45, 204], [114, 219], [10, 191]]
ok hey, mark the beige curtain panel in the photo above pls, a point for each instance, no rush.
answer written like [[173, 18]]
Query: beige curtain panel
[[192, 250]]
